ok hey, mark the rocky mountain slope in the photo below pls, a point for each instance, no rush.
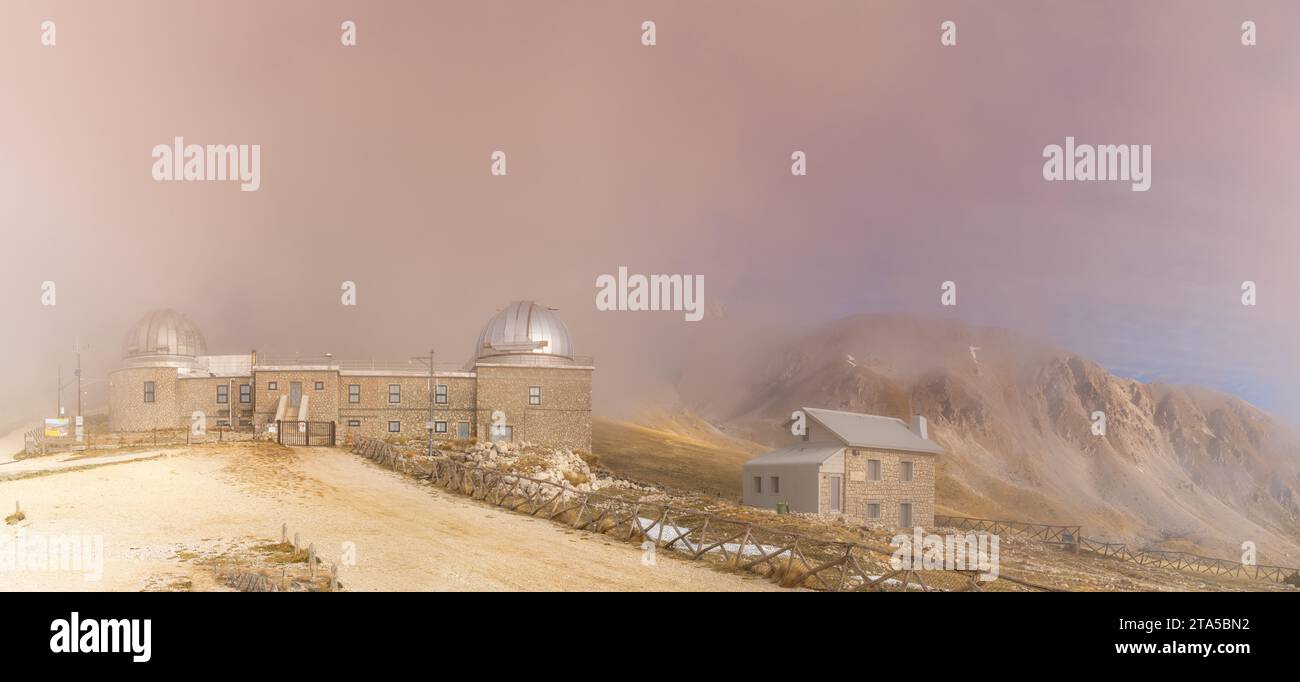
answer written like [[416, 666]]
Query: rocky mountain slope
[[1178, 467]]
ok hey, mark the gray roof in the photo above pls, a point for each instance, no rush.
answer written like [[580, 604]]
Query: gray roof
[[872, 431], [801, 453]]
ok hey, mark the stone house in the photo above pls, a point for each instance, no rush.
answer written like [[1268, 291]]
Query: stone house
[[874, 470], [523, 383]]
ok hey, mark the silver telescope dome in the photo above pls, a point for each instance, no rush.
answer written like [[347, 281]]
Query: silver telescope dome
[[164, 338], [525, 332]]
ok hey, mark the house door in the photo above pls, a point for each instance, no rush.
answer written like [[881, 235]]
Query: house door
[[295, 393], [835, 483], [905, 515]]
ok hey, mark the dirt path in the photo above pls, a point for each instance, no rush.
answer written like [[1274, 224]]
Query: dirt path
[[159, 519]]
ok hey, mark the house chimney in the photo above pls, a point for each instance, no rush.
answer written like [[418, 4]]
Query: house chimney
[[919, 427]]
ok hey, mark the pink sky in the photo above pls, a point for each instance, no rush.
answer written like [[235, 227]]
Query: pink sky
[[924, 166]]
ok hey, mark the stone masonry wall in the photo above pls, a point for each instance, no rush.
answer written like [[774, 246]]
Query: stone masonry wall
[[890, 490]]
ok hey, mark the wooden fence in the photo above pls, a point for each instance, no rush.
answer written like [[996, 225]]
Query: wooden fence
[[1056, 535], [1072, 536], [793, 559]]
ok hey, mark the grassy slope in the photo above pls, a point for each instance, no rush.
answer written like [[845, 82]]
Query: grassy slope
[[670, 459]]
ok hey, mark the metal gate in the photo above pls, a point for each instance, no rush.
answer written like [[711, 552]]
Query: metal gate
[[305, 433]]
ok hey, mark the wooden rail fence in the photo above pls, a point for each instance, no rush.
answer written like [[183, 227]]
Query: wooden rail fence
[[794, 559], [1072, 536]]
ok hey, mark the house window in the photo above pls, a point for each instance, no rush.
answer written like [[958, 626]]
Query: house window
[[906, 473], [320, 385], [223, 394], [835, 482], [354, 393], [873, 511], [440, 394], [776, 485], [440, 427], [904, 514], [354, 422], [394, 394], [534, 395], [148, 391], [394, 427], [758, 485], [245, 393], [873, 470], [462, 429], [272, 386]]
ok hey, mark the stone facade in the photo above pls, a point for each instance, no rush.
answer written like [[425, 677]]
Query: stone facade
[[128, 409], [561, 416], [890, 491]]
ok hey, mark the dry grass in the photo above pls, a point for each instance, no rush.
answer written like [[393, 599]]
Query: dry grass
[[15, 517]]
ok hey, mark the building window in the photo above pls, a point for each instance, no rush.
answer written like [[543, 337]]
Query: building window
[[758, 485], [245, 393], [394, 394], [394, 427], [354, 393], [440, 394], [873, 511], [906, 473], [904, 514], [462, 429], [440, 427], [776, 485], [534, 395], [873, 470], [223, 394], [272, 386], [148, 391], [354, 422], [320, 385]]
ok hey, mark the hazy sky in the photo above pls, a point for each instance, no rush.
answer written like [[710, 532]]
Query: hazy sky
[[924, 165]]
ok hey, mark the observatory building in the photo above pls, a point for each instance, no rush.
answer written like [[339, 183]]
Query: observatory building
[[522, 383]]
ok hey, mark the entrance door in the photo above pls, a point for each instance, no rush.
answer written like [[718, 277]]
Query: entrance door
[[295, 393], [835, 482], [905, 515]]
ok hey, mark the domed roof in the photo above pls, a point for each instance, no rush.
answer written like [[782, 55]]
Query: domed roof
[[525, 331], [164, 338]]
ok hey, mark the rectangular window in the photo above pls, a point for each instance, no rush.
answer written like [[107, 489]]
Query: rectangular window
[[906, 473], [534, 395], [873, 470], [873, 511], [320, 385], [394, 394], [462, 429], [245, 393], [440, 394], [394, 427], [354, 393], [148, 391], [223, 394], [776, 485], [904, 514], [440, 427], [272, 386], [835, 483], [354, 422], [758, 485]]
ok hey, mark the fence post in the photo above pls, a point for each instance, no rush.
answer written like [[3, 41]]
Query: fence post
[[334, 577], [284, 533], [311, 560], [295, 544]]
